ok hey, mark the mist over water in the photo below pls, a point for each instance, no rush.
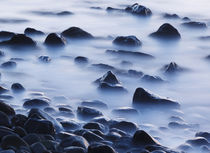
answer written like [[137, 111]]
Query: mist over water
[[62, 77]]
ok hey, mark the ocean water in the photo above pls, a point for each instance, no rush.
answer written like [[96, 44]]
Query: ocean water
[[63, 77]]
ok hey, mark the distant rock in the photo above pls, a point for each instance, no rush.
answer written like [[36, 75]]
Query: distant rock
[[172, 68], [195, 25], [166, 31], [9, 65], [33, 32], [95, 103], [152, 79], [81, 60], [129, 41], [64, 13], [171, 16], [140, 10], [35, 103], [76, 33], [125, 111], [87, 112], [145, 99], [44, 59], [53, 40]]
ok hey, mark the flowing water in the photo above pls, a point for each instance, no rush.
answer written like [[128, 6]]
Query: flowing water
[[63, 77]]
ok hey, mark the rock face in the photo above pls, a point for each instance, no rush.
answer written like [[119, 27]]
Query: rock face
[[129, 41], [140, 10], [54, 40], [196, 25], [166, 31], [19, 40], [33, 32], [109, 82], [143, 98], [76, 33]]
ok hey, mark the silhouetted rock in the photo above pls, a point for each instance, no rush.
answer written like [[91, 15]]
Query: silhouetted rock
[[81, 60], [17, 87], [35, 103], [166, 31], [54, 40], [20, 41], [76, 33], [194, 24], [140, 10], [129, 41], [33, 32], [4, 120], [142, 97], [171, 16], [19, 120], [6, 109], [9, 65], [95, 103]]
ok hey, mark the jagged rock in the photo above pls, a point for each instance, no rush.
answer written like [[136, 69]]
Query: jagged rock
[[166, 31], [140, 10], [142, 97], [172, 68], [129, 41], [76, 33]]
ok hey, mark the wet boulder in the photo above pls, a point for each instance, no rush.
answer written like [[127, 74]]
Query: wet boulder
[[33, 32], [172, 68], [76, 33], [35, 103], [139, 10], [92, 137], [81, 60], [144, 98], [19, 120], [96, 148], [166, 31], [5, 35], [109, 82], [17, 87], [195, 25], [125, 126], [20, 41], [128, 41], [141, 138], [7, 109], [95, 103], [44, 59], [39, 148], [87, 112], [9, 65], [53, 40]]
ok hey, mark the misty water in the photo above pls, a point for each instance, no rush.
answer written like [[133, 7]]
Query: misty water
[[62, 77]]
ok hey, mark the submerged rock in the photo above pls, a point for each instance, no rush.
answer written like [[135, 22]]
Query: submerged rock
[[44, 59], [33, 32], [7, 109], [142, 97], [76, 33], [102, 66], [166, 31], [109, 82], [87, 112], [172, 68], [171, 16], [81, 60], [17, 87], [140, 10], [196, 25], [64, 13], [54, 40], [204, 135], [129, 41], [96, 148], [9, 65], [95, 103], [152, 79], [19, 40], [125, 111]]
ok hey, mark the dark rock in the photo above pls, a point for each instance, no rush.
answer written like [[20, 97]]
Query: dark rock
[[20, 131], [70, 125], [198, 141], [2, 54], [87, 112], [141, 138], [17, 87], [96, 148], [19, 120], [14, 142], [152, 79], [171, 16], [76, 33], [53, 40], [94, 125], [32, 32], [132, 54], [195, 25], [103, 67], [101, 120], [185, 147], [95, 103], [74, 140], [31, 138], [50, 145], [142, 97], [74, 149], [140, 10], [92, 137], [5, 35], [19, 40], [125, 111], [126, 126], [109, 9], [39, 148], [172, 68], [206, 38], [9, 65], [40, 126], [166, 31], [45, 59], [126, 63], [6, 109], [178, 125], [96, 7], [204, 135], [35, 103], [129, 41], [134, 73], [4, 120], [176, 119], [4, 131], [81, 60], [7, 151], [65, 13]]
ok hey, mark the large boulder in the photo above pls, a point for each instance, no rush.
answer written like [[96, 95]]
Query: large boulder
[[140, 10], [76, 33], [53, 40], [145, 99], [166, 31], [129, 41]]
